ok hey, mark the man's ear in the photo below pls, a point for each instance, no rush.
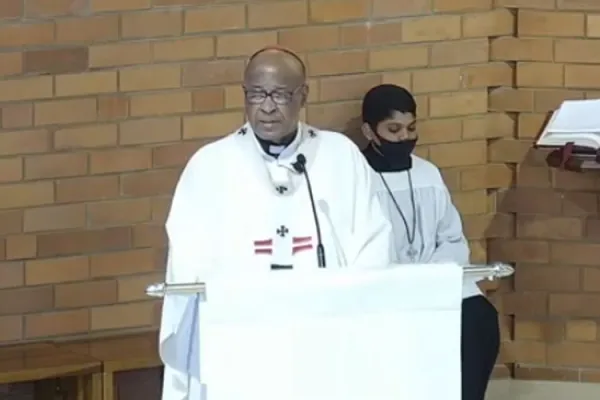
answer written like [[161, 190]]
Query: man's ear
[[304, 95], [368, 133]]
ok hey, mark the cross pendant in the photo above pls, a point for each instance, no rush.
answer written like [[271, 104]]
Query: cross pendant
[[412, 253]]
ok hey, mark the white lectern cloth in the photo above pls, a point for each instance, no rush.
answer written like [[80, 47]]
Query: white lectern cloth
[[339, 334]]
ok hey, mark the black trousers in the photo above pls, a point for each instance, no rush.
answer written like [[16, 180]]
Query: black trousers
[[480, 343]]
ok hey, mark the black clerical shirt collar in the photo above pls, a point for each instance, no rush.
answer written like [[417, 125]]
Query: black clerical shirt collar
[[275, 149], [381, 164]]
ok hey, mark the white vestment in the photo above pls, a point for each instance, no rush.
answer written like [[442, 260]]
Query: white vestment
[[237, 208], [438, 236]]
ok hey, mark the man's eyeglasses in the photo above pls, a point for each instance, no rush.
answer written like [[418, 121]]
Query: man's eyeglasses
[[279, 96]]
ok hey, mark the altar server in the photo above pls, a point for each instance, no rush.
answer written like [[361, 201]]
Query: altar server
[[243, 202], [427, 227]]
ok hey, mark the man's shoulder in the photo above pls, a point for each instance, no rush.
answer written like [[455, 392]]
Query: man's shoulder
[[427, 172], [212, 153], [334, 138]]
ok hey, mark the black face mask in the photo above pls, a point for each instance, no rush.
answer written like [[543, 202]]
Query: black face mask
[[397, 154]]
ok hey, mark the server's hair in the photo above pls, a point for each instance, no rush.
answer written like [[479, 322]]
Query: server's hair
[[381, 101], [282, 50]]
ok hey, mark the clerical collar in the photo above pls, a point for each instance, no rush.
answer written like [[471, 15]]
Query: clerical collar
[[275, 149], [381, 164]]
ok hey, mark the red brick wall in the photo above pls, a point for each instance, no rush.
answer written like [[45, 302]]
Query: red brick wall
[[102, 102], [554, 214]]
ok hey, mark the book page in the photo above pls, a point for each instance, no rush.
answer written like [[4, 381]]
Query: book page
[[576, 116]]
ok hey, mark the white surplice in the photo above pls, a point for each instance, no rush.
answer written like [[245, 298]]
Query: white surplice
[[438, 236], [235, 207]]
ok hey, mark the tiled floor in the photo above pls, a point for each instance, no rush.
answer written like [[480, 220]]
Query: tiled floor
[[534, 390]]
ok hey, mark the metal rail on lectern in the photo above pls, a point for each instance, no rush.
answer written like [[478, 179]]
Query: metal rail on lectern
[[484, 271]]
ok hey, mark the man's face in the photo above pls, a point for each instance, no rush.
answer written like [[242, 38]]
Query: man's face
[[274, 99], [399, 127]]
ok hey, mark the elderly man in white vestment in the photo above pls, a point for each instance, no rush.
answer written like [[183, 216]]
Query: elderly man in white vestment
[[243, 202]]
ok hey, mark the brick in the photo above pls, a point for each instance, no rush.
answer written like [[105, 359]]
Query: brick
[[58, 323], [150, 183], [582, 330], [540, 74], [580, 204], [557, 24], [26, 194], [217, 18], [533, 177], [208, 99], [436, 80], [234, 97], [530, 201], [327, 11], [85, 137], [386, 8], [26, 89], [11, 274], [55, 61], [133, 288], [471, 203], [25, 300], [112, 107], [54, 218], [332, 116], [499, 22], [577, 51], [488, 226], [120, 160], [508, 150], [26, 34], [534, 4], [584, 5], [101, 28], [434, 131], [194, 48], [458, 154], [359, 35], [591, 279], [123, 263], [381, 33], [398, 58], [491, 125], [309, 38], [151, 130], [11, 9], [575, 253], [82, 242], [487, 75], [530, 251], [87, 189], [11, 64], [211, 125], [132, 315], [463, 5], [65, 111], [206, 73], [431, 28], [582, 76], [12, 328], [567, 180], [525, 304], [119, 54], [161, 103], [174, 155], [160, 211], [152, 24], [85, 294], [454, 104], [592, 26], [149, 235], [86, 83], [460, 52], [546, 227], [279, 14], [11, 169], [55, 165], [550, 100], [530, 125], [12, 222], [17, 115], [487, 176], [244, 44], [522, 49], [150, 78], [346, 87], [576, 305], [510, 99], [118, 5], [403, 79], [50, 8], [21, 247]]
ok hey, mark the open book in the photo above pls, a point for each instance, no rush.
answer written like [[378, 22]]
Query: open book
[[577, 122]]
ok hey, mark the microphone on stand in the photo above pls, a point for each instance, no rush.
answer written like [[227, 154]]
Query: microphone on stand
[[300, 167]]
